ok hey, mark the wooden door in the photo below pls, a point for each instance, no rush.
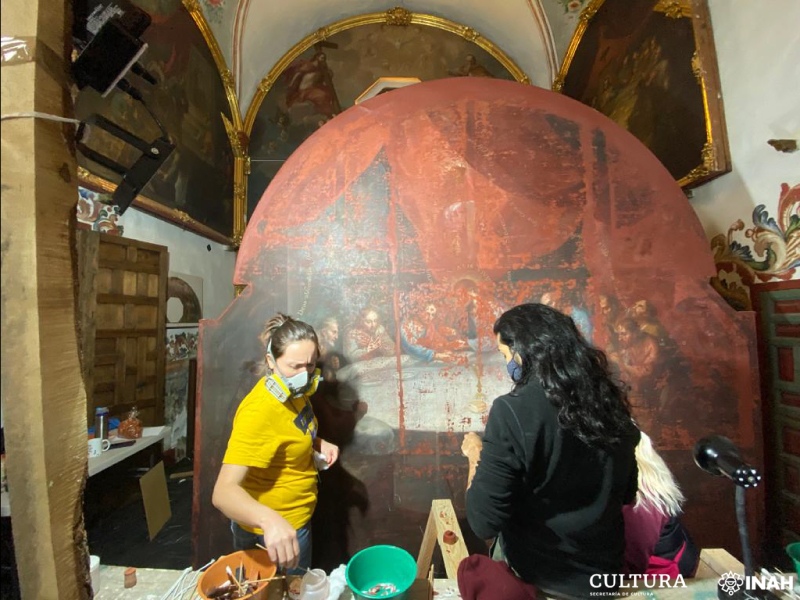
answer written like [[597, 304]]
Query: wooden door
[[778, 305], [122, 296]]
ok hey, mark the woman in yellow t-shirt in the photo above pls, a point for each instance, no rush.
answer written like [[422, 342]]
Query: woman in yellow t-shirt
[[267, 485]]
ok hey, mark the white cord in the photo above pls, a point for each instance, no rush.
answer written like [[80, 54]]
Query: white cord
[[40, 115], [176, 591], [177, 584]]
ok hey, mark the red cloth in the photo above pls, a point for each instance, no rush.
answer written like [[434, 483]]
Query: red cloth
[[666, 566], [643, 526], [481, 578]]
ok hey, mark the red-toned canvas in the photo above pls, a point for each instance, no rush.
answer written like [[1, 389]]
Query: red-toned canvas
[[402, 229]]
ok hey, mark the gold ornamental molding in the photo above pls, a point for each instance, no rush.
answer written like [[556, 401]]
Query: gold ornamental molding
[[234, 128], [228, 82], [397, 16], [93, 182], [674, 9], [709, 160], [587, 14]]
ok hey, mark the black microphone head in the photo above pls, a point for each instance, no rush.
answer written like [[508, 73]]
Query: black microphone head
[[718, 455], [708, 449]]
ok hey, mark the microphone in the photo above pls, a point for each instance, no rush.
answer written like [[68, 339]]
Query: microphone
[[718, 455]]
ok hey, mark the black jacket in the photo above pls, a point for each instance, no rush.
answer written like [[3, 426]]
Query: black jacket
[[556, 501]]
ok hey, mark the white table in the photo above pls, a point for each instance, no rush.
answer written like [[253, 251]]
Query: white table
[[150, 436]]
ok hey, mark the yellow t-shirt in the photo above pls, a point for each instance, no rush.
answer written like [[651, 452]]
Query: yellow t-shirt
[[275, 440]]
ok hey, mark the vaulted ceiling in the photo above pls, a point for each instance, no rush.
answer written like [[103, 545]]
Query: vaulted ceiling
[[253, 35]]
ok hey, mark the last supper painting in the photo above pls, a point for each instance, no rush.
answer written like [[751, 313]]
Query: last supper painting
[[483, 300], [404, 250]]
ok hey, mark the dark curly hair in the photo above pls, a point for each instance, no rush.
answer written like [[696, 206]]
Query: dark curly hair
[[575, 375]]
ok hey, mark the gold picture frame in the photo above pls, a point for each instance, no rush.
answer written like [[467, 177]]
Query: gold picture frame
[[651, 66]]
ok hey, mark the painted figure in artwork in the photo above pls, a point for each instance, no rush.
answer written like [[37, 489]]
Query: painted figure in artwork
[[368, 338], [311, 81], [330, 353], [471, 68], [427, 337], [478, 317]]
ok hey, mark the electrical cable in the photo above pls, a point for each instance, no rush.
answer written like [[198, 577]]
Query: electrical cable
[[39, 115]]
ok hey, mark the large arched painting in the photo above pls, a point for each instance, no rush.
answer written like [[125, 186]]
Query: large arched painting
[[330, 76], [402, 229]]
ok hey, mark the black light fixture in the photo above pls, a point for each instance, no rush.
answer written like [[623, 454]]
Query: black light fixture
[[110, 50], [719, 456]]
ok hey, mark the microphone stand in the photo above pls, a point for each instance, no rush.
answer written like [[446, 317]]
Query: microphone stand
[[744, 536], [747, 558]]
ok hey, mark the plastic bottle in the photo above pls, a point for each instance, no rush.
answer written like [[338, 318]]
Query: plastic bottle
[[101, 423], [314, 585]]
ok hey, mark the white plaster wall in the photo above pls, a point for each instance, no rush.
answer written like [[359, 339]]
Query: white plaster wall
[[758, 51], [189, 253]]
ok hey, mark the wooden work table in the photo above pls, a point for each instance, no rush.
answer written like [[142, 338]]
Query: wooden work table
[[156, 583]]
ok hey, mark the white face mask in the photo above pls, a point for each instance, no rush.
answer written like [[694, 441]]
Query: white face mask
[[297, 384]]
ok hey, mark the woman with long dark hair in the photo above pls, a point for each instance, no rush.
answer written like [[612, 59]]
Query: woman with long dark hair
[[556, 463]]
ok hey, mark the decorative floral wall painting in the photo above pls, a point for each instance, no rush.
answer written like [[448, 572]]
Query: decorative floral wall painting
[[96, 212], [770, 252]]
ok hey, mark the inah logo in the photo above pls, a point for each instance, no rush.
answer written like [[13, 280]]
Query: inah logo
[[731, 582]]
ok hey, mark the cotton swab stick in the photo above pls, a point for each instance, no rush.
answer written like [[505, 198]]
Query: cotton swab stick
[[233, 579], [263, 548]]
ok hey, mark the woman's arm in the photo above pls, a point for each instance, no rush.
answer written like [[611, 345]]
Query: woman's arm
[[497, 482], [234, 502]]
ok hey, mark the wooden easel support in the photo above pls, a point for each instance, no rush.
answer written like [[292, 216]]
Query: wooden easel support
[[442, 527]]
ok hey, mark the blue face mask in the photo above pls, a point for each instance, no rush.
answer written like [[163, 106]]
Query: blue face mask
[[514, 371]]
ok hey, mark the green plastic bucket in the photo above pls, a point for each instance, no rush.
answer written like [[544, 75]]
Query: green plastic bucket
[[793, 550], [381, 569]]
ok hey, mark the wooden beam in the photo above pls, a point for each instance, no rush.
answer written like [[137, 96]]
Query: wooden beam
[[442, 527], [44, 400]]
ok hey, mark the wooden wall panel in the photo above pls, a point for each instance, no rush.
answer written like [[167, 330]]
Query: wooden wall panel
[[124, 287], [778, 305]]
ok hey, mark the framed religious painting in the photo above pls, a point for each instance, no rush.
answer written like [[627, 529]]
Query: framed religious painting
[[651, 67], [193, 188], [349, 62]]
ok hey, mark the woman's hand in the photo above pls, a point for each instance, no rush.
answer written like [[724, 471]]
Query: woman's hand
[[280, 540], [471, 446], [330, 451]]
